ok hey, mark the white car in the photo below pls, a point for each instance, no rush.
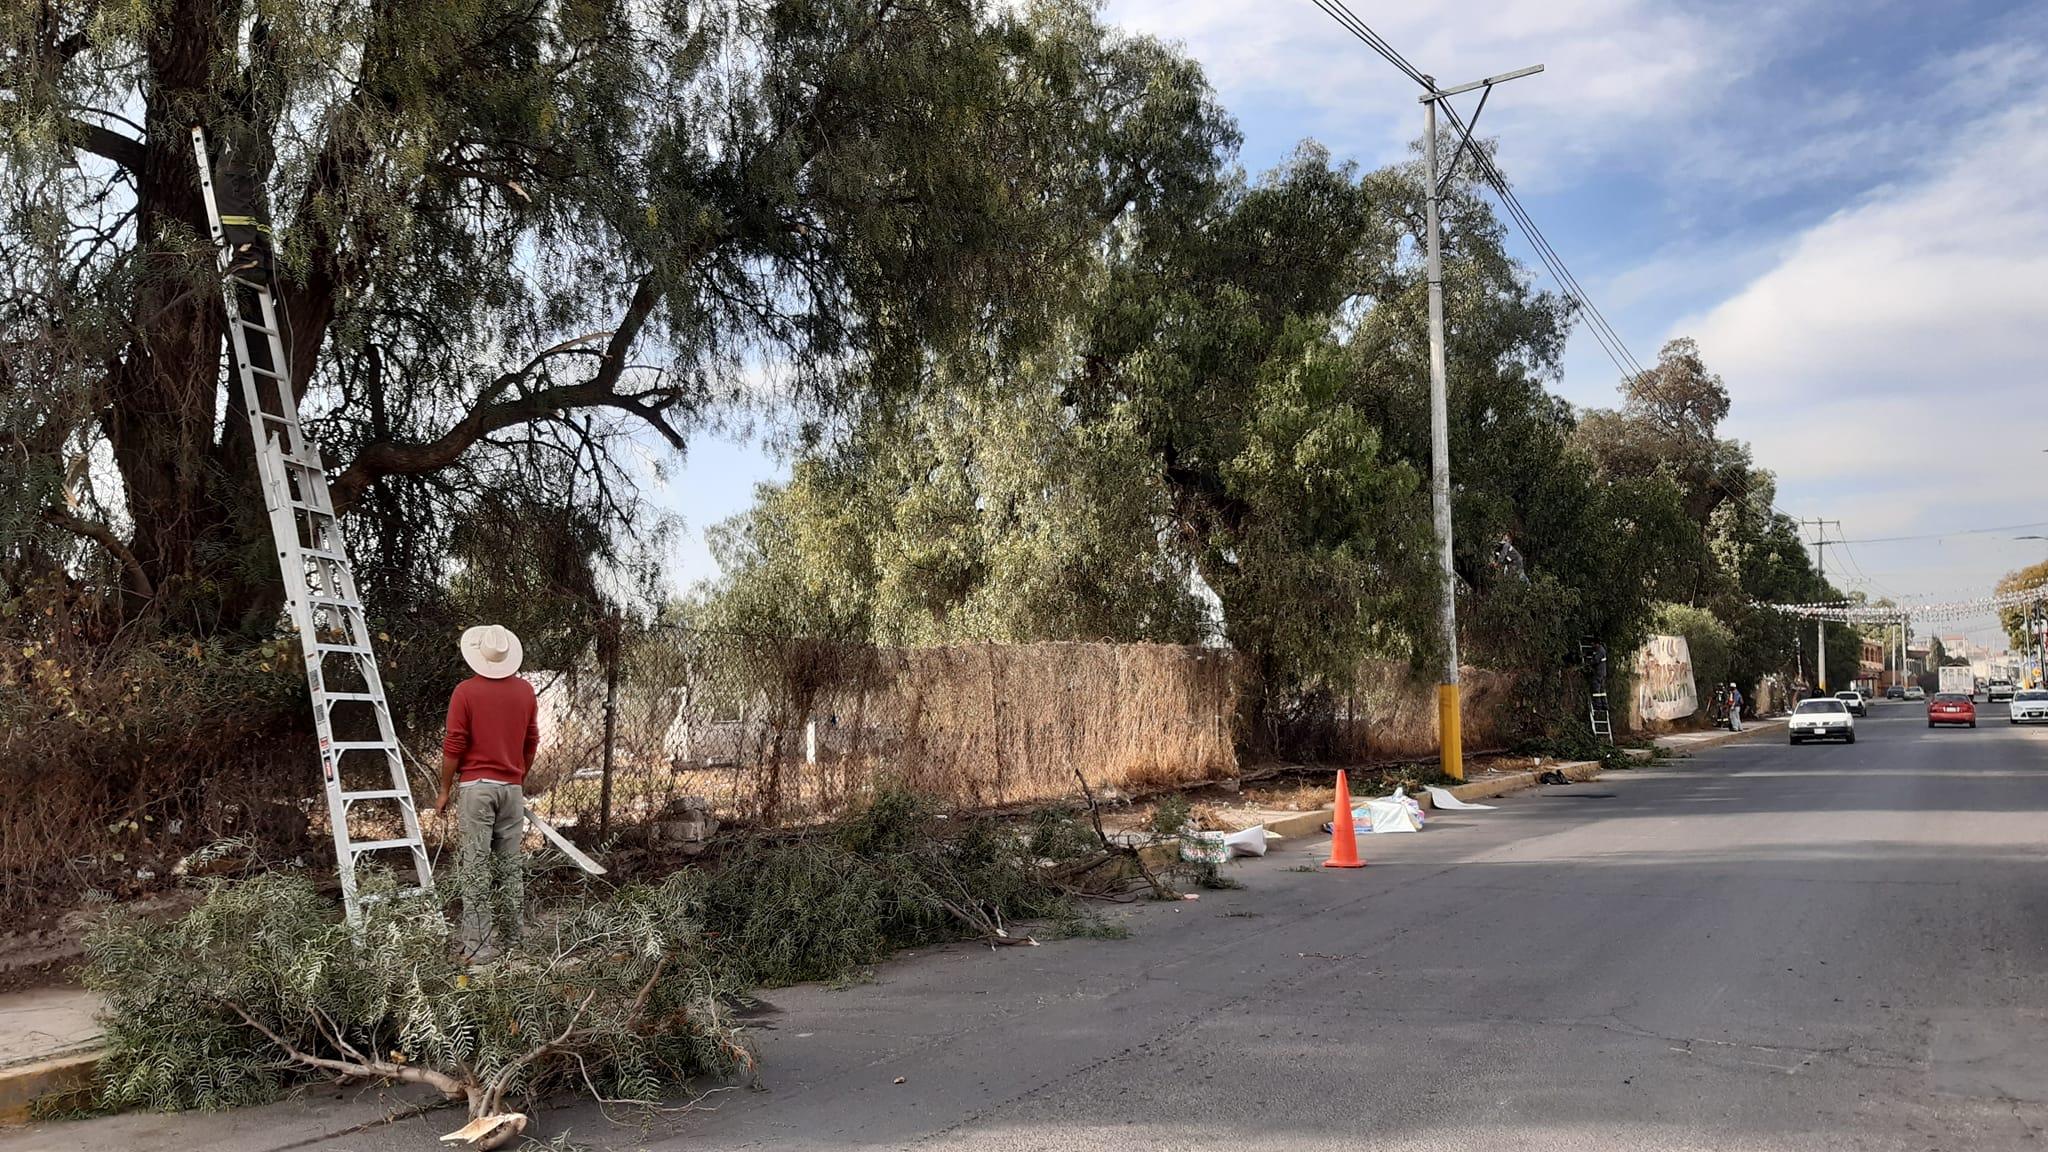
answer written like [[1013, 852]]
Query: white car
[[1915, 692], [1822, 718], [1999, 690], [1853, 699], [2029, 705]]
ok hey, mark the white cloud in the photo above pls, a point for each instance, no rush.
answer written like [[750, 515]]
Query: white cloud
[[1613, 67], [1892, 365]]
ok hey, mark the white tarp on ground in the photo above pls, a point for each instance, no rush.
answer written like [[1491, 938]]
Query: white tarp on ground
[[1396, 813], [1664, 684], [1250, 842]]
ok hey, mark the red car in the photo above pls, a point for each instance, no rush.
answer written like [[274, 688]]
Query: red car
[[1951, 708]]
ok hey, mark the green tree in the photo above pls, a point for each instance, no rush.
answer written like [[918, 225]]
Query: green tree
[[978, 511], [509, 236], [1216, 337], [2014, 619]]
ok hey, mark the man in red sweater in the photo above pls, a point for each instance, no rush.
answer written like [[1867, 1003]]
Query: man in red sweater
[[493, 732]]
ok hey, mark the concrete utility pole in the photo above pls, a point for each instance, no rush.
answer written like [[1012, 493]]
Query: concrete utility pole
[[1820, 626], [1451, 740]]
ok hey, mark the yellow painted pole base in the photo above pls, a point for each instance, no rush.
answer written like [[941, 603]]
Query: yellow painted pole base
[[1449, 728]]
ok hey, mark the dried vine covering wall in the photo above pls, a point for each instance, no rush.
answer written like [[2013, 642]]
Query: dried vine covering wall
[[773, 730]]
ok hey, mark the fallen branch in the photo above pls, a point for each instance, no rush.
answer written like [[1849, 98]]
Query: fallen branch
[[382, 1069], [491, 1099], [988, 932], [1114, 850]]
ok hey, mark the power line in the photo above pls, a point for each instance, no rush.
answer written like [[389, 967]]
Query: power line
[[1343, 15], [1946, 535], [1604, 333], [1596, 320]]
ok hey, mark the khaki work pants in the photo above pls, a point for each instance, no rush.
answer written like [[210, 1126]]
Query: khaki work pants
[[493, 818]]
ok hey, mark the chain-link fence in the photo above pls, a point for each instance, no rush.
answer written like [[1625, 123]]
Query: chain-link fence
[[667, 723]]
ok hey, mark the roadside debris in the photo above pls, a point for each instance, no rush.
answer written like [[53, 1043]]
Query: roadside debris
[[1250, 842], [1396, 813], [488, 1132], [1442, 798]]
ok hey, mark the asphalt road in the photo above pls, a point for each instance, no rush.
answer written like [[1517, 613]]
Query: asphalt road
[[1762, 947]]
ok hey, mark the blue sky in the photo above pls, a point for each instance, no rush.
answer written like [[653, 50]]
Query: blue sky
[[1846, 203]]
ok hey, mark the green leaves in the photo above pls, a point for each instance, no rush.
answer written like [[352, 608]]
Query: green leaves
[[621, 974]]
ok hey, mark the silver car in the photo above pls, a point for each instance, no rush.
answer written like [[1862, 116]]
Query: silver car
[[2029, 705]]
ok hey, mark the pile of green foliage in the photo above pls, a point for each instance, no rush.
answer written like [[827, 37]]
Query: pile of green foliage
[[618, 992], [263, 985], [825, 904], [1573, 740]]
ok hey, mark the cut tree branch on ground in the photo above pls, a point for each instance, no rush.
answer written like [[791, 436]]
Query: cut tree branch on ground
[[1113, 850], [378, 1069]]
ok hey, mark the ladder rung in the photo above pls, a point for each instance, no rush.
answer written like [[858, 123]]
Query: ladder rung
[[264, 372], [359, 697], [302, 506], [328, 647], [323, 554], [379, 794], [251, 285], [381, 845], [331, 601], [274, 418], [257, 327], [361, 746]]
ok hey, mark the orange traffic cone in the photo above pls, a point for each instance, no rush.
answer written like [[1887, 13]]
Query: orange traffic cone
[[1343, 839]]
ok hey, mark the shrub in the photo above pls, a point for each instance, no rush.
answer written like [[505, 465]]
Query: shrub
[[262, 986], [826, 903]]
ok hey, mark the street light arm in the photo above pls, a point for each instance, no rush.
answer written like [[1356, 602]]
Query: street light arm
[[1436, 93]]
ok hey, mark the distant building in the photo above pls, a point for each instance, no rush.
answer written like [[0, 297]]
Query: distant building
[[1871, 669], [1916, 659]]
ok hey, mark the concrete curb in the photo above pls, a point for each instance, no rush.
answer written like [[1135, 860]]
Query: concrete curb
[[59, 1082], [1305, 825]]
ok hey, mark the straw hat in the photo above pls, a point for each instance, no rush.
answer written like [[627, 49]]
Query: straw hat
[[492, 650]]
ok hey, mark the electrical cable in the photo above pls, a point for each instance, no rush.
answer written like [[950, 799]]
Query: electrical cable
[[1603, 331]]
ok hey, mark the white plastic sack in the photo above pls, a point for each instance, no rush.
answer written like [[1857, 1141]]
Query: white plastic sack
[[1250, 842], [1442, 798]]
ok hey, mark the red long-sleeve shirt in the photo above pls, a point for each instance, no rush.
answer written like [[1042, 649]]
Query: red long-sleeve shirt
[[493, 729]]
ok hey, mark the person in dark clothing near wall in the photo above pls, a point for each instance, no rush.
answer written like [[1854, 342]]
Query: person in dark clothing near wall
[[493, 733]]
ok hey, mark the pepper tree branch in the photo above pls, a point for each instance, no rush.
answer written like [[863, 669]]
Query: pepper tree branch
[[449, 1086], [106, 143], [495, 410], [103, 536]]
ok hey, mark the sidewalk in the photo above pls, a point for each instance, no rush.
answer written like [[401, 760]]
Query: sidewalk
[[49, 1045], [1687, 742]]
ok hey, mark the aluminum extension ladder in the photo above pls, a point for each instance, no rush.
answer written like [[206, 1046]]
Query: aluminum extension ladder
[[320, 588], [1600, 718]]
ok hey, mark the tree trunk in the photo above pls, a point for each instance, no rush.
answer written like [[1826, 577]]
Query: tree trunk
[[162, 394]]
